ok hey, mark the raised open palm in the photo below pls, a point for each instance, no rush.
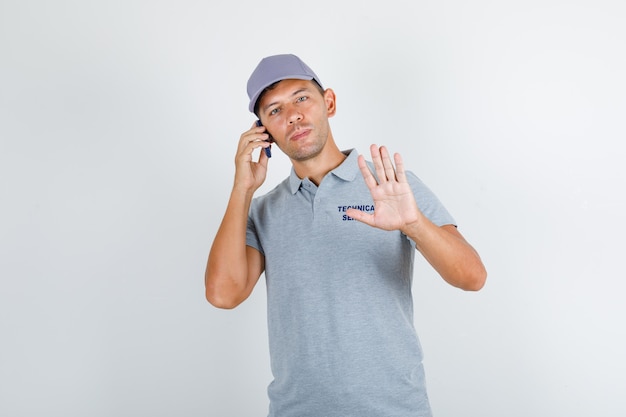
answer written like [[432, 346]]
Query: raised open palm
[[394, 203]]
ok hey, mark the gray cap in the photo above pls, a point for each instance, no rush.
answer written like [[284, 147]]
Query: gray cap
[[276, 68]]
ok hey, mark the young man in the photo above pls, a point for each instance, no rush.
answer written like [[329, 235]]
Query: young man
[[336, 241]]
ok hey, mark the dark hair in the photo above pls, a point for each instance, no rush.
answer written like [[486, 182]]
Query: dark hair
[[272, 86]]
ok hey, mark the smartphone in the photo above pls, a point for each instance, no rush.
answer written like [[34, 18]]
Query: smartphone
[[268, 150]]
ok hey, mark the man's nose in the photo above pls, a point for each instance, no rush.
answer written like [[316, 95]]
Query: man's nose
[[294, 115]]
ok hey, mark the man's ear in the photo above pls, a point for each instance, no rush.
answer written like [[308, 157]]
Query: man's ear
[[331, 102]]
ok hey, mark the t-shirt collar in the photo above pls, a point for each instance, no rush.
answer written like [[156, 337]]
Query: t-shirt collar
[[347, 171]]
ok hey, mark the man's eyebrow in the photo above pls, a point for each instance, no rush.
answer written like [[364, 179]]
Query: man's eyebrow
[[295, 93]]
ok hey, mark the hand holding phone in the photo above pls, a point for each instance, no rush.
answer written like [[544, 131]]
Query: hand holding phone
[[268, 150]]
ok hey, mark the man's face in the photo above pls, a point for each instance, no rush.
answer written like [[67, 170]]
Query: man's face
[[296, 114]]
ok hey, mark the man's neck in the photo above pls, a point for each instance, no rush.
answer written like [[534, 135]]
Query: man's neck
[[315, 169]]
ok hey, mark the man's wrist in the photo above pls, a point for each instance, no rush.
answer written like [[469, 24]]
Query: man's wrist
[[415, 228]]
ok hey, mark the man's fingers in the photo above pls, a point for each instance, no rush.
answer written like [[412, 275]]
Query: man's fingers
[[400, 172], [251, 139], [390, 172], [382, 163], [361, 216], [370, 181], [377, 160]]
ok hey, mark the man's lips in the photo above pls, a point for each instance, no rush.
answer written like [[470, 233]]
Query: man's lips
[[299, 134]]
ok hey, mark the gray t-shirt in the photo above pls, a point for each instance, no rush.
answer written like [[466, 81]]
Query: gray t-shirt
[[340, 310]]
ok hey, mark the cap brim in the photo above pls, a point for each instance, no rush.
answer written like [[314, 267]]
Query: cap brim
[[256, 95]]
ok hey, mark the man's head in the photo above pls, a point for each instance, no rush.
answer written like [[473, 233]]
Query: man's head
[[273, 69]]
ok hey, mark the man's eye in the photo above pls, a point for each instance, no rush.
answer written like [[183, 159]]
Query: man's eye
[[273, 111], [303, 98]]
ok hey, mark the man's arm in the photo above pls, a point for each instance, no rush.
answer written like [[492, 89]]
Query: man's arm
[[233, 268], [450, 254], [396, 209]]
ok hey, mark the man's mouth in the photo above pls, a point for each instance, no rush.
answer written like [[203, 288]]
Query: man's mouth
[[299, 134]]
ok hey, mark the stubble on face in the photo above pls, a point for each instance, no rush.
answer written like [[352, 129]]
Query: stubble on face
[[312, 147]]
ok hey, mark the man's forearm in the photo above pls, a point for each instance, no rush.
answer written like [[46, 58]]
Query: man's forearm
[[226, 277], [449, 253]]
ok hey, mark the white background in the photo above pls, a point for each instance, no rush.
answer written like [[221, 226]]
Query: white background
[[119, 122]]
